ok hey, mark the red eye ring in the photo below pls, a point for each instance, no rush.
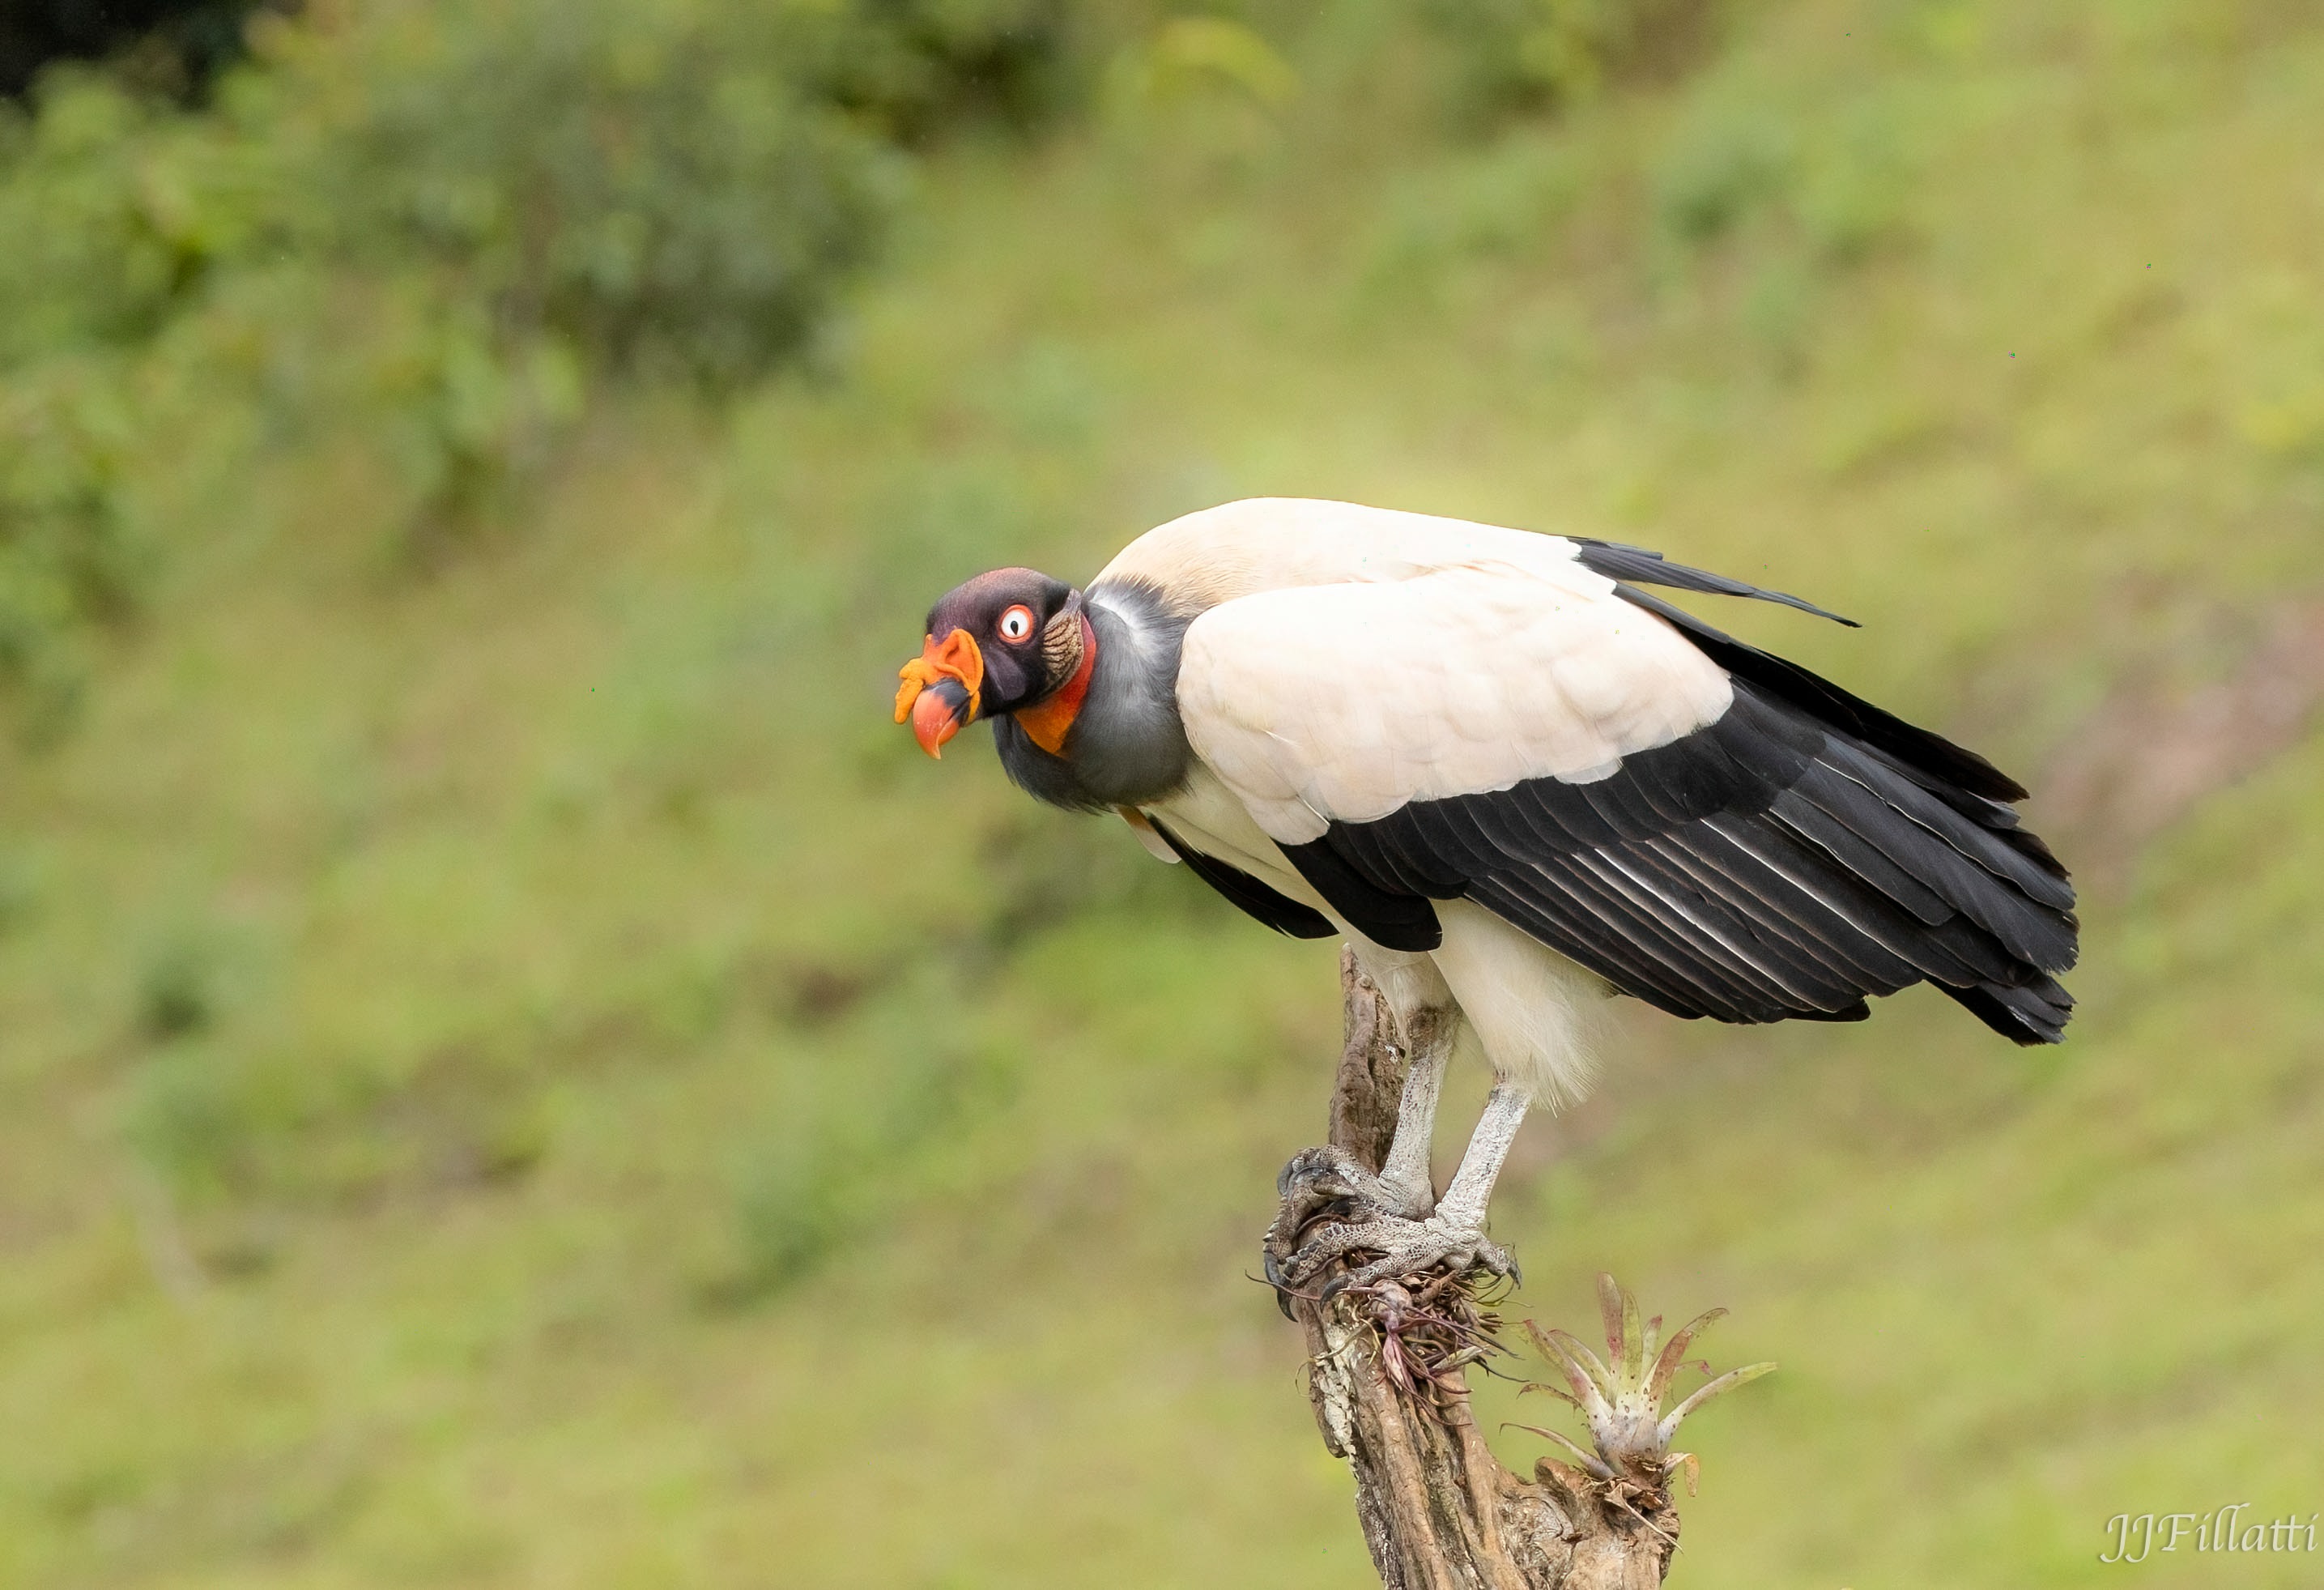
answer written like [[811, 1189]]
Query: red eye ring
[[1016, 624]]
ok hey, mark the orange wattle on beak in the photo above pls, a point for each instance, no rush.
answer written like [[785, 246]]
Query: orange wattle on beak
[[941, 690]]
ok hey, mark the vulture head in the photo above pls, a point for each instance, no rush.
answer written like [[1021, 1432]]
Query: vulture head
[[1012, 641]]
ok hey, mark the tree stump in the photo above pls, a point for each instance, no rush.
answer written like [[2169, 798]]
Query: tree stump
[[1387, 1378]]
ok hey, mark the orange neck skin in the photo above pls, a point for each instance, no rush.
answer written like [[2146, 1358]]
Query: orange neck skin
[[1046, 725]]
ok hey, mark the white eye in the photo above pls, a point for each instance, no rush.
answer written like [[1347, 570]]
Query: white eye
[[1016, 624]]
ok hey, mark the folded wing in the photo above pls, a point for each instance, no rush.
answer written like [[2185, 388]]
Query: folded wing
[[1709, 829]]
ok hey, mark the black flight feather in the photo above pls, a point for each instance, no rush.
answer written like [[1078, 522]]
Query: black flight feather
[[1374, 902], [1276, 909], [1617, 561], [1802, 851]]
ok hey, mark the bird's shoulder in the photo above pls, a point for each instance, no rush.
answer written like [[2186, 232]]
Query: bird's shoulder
[[1346, 701], [1259, 544]]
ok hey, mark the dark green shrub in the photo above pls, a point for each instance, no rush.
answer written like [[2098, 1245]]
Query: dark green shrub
[[184, 43], [439, 227], [1520, 56], [919, 69], [644, 180]]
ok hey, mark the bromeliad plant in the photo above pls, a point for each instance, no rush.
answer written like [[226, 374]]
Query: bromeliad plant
[[1621, 1395]]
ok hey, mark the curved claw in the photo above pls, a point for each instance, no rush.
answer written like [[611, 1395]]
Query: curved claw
[[1332, 1172], [1275, 1279]]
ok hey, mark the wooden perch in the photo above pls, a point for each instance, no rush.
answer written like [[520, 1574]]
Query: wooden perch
[[1388, 1376]]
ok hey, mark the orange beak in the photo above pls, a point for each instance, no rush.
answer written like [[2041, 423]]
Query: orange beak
[[941, 690]]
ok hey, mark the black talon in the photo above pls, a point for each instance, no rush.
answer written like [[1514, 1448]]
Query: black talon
[[1275, 1279]]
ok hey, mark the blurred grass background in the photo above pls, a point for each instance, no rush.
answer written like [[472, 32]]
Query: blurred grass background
[[513, 1072]]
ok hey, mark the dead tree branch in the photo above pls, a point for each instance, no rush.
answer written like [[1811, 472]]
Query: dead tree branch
[[1387, 1377]]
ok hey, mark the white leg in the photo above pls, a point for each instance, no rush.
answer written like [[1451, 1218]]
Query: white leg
[[1406, 1172], [1464, 1202]]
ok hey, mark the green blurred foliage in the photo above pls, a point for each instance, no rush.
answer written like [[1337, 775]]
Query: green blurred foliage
[[631, 181], [439, 229], [1520, 56], [65, 560]]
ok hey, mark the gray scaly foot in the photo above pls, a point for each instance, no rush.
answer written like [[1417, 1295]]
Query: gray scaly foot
[[1360, 1213]]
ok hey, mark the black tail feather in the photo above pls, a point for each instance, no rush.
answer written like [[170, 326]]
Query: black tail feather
[[1619, 562], [2027, 1016]]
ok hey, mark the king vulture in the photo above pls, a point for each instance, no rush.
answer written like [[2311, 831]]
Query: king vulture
[[1516, 783]]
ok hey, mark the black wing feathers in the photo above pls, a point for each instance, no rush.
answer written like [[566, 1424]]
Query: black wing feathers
[[1802, 851], [1768, 866], [1364, 886], [1276, 909], [1617, 561], [1917, 750]]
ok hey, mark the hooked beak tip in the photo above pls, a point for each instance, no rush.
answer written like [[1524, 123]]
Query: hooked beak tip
[[936, 718], [939, 689]]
